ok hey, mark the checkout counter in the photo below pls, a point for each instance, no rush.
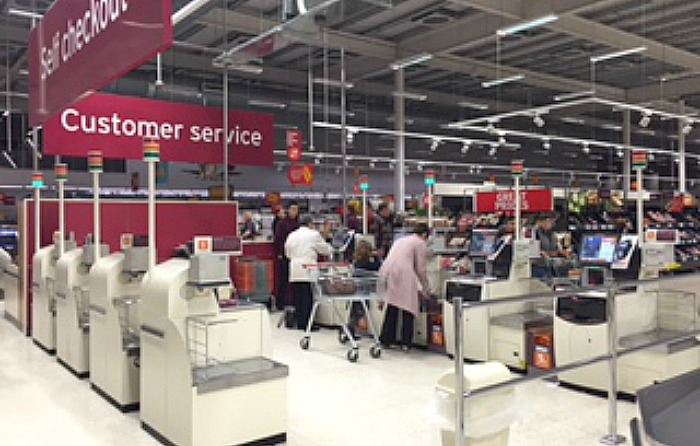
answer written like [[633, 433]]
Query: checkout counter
[[501, 268], [72, 296], [115, 308], [43, 294], [9, 287], [206, 376], [644, 314]]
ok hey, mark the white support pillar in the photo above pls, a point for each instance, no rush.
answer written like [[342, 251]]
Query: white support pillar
[[682, 163], [400, 148], [627, 159], [343, 135], [226, 132]]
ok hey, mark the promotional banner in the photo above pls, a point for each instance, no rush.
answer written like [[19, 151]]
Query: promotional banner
[[301, 175], [539, 200], [118, 126], [81, 46]]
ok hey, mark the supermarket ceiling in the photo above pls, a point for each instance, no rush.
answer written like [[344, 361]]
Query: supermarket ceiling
[[462, 38]]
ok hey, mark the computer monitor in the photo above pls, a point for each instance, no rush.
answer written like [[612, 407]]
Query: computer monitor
[[482, 242], [9, 240], [598, 248]]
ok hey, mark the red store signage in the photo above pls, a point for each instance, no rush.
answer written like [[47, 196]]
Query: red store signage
[[538, 200], [301, 175], [81, 46], [294, 144], [118, 125]]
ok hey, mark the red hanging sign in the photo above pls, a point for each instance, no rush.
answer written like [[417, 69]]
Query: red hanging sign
[[539, 200], [295, 140], [301, 175]]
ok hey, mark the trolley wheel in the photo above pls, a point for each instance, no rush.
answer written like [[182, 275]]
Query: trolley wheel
[[353, 355], [304, 343], [342, 337], [375, 351]]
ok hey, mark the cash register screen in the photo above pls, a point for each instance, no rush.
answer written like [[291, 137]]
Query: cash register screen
[[482, 242], [598, 248]]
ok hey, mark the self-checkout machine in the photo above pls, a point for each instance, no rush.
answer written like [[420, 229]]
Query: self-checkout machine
[[115, 300], [44, 266], [647, 312], [72, 291], [206, 376], [501, 268]]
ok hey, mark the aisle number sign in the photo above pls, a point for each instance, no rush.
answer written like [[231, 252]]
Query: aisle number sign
[[639, 159], [294, 144]]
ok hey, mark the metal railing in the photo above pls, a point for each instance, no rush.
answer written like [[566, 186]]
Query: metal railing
[[610, 289]]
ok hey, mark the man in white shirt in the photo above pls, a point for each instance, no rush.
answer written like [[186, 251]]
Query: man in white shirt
[[302, 248]]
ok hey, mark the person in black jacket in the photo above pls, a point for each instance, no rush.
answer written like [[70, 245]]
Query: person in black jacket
[[283, 228]]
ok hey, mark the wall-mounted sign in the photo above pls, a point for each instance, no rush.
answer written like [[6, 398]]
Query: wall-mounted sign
[[538, 200], [301, 175], [188, 133], [81, 46]]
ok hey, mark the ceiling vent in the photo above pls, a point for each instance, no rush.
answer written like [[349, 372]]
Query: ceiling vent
[[435, 17]]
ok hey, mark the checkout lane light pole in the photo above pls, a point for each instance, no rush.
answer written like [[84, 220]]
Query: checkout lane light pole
[[96, 167], [364, 187], [151, 155], [517, 169], [38, 185], [429, 181], [639, 163], [61, 171]]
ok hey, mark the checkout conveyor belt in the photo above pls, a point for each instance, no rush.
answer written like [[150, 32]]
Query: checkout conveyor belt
[[670, 410]]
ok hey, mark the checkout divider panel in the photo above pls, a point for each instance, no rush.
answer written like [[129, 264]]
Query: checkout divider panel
[[177, 222]]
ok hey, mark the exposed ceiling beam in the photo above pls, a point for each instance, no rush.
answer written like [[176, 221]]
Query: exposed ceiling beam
[[388, 51]]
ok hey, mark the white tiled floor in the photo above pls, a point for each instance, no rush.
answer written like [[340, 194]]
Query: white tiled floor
[[384, 402]]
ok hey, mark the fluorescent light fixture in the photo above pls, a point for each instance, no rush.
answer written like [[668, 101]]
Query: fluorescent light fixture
[[575, 95], [473, 105], [9, 159], [409, 95], [586, 148], [247, 68], [412, 60], [6, 113], [407, 121], [572, 120], [645, 120], [267, 104], [524, 26], [504, 80], [687, 127], [538, 120], [26, 14], [617, 128], [23, 72], [465, 147], [332, 82], [618, 54]]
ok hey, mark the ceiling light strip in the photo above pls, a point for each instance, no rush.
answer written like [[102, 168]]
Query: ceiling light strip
[[525, 26], [412, 60], [618, 54], [502, 81]]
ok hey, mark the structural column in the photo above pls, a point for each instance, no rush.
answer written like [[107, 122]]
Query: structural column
[[627, 163], [400, 148], [682, 179]]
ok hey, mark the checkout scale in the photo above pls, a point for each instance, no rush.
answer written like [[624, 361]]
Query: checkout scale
[[43, 293], [644, 314], [115, 300], [72, 297], [501, 268], [206, 374]]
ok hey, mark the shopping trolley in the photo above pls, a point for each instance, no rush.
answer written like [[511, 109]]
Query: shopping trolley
[[335, 282]]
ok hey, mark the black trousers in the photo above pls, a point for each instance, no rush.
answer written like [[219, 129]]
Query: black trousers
[[303, 301], [391, 318], [282, 297]]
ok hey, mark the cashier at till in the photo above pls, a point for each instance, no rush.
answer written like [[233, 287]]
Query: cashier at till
[[249, 230]]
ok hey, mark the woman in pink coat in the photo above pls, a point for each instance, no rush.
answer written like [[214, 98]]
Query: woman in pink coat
[[403, 270]]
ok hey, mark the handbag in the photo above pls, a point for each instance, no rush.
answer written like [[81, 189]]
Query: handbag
[[338, 286]]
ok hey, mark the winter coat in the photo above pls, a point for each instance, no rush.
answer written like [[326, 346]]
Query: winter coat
[[404, 269], [302, 248]]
